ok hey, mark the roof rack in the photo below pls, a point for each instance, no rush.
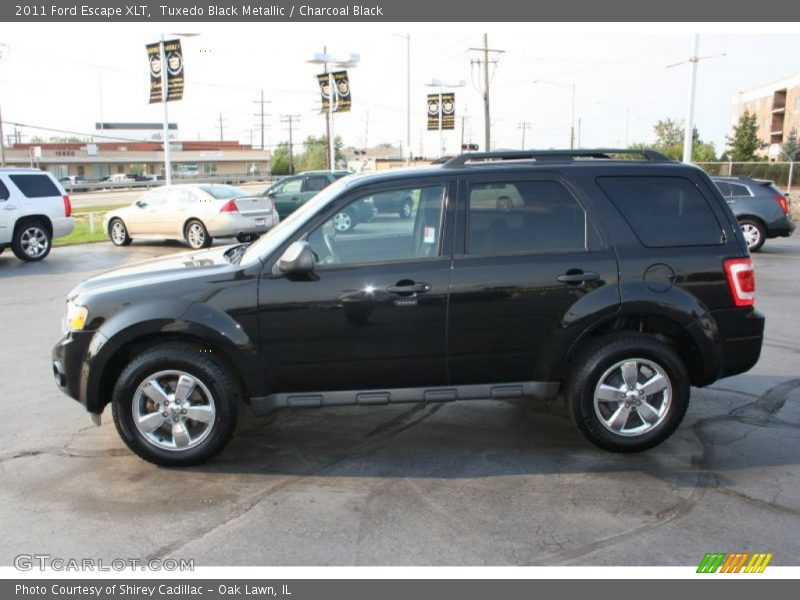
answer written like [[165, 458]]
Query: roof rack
[[551, 156]]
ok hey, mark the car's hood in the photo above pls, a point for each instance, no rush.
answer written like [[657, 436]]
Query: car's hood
[[174, 267]]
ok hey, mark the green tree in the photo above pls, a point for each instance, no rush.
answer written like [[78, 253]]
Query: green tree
[[744, 143], [669, 141], [315, 154], [281, 164], [791, 149]]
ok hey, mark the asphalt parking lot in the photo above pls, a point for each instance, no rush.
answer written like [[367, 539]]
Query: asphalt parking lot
[[483, 483]]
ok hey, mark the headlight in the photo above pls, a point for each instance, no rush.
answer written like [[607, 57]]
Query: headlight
[[76, 317]]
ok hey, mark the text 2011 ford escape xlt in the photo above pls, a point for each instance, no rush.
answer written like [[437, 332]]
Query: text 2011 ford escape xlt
[[614, 278]]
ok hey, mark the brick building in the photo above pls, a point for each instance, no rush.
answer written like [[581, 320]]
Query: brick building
[[777, 109]]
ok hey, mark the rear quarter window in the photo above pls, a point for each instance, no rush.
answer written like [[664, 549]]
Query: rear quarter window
[[35, 186], [4, 195], [664, 211]]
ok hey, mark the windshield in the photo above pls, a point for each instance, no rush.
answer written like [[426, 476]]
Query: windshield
[[223, 192], [284, 230]]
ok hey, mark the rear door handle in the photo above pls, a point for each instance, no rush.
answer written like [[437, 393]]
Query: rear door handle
[[578, 277], [409, 288], [10, 208]]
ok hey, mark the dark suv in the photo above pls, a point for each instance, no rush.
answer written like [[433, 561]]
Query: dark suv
[[761, 208], [617, 281]]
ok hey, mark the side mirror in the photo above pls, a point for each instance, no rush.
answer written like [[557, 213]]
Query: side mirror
[[298, 258], [141, 203]]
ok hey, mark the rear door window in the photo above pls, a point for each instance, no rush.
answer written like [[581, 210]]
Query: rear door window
[[4, 195], [724, 187], [35, 186], [524, 217], [315, 183], [740, 190], [664, 211]]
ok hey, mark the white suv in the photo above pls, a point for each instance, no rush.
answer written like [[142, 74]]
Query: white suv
[[34, 209]]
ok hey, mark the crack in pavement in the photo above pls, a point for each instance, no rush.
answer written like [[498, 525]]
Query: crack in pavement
[[768, 403], [379, 436]]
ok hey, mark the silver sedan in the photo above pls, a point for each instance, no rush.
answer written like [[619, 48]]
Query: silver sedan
[[195, 213]]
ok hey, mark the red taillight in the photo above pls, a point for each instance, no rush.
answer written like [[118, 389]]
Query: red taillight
[[784, 204], [741, 280], [229, 207], [67, 206]]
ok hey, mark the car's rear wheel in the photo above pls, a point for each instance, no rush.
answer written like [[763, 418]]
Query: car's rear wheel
[[174, 405], [628, 394], [32, 241], [344, 221], [754, 234], [197, 235], [118, 233]]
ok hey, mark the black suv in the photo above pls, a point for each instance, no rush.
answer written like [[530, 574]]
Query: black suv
[[617, 279], [761, 208]]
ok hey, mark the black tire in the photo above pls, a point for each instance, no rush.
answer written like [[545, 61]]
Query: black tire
[[754, 233], [406, 208], [243, 238], [598, 362], [1, 250], [216, 378], [196, 235], [118, 233], [344, 221], [32, 240]]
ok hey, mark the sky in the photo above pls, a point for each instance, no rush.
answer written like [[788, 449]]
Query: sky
[[68, 76]]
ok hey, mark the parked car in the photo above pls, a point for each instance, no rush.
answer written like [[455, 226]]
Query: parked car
[[118, 178], [74, 183], [34, 209], [761, 208], [394, 202], [615, 283], [195, 213], [291, 192]]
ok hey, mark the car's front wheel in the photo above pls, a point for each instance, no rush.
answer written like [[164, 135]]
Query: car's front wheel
[[197, 235], [32, 241], [174, 405], [754, 234], [628, 394], [118, 233]]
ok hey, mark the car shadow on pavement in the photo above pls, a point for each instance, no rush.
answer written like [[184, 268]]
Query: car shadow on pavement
[[723, 432]]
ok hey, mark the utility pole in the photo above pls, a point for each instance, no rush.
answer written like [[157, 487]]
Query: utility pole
[[408, 99], [3, 54], [485, 90], [221, 138], [262, 114], [290, 120], [688, 126], [523, 126]]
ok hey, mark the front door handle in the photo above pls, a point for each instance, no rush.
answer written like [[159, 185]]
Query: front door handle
[[578, 277], [408, 288]]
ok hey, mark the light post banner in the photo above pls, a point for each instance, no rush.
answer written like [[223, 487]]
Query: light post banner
[[154, 59], [343, 99], [448, 108], [434, 112], [325, 91], [174, 66], [174, 56]]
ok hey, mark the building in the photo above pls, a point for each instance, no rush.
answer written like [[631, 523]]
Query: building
[[98, 160], [777, 109], [129, 132]]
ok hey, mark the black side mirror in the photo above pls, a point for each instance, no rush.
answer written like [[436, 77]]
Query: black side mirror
[[141, 203], [298, 258]]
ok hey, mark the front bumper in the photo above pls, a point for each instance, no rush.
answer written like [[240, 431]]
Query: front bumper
[[71, 359]]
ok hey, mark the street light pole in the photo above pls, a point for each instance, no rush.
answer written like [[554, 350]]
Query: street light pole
[[3, 52], [167, 164]]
